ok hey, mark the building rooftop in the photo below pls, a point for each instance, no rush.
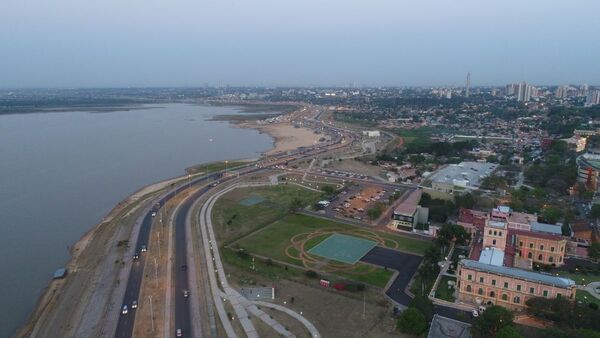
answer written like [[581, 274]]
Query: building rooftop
[[496, 224], [519, 273], [548, 228], [409, 205], [521, 217], [443, 327], [465, 174], [504, 209], [492, 256]]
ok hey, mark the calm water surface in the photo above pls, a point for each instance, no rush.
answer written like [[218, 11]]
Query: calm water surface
[[60, 173]]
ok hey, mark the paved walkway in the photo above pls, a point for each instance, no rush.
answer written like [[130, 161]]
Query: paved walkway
[[240, 304], [311, 328], [591, 288]]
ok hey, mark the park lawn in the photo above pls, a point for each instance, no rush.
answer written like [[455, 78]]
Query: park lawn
[[581, 278], [420, 136], [379, 277], [272, 240], [586, 298], [443, 292], [273, 271], [232, 219], [215, 166]]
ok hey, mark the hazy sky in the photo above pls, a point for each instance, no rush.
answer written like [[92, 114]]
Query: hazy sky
[[88, 43]]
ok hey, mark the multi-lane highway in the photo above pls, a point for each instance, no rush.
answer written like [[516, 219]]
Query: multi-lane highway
[[182, 321]]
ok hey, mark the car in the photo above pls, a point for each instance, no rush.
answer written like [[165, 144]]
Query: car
[[136, 256], [184, 267], [179, 333], [154, 214], [186, 293], [475, 313], [144, 248], [125, 310], [134, 304]]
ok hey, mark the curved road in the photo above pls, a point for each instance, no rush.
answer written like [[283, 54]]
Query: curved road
[[182, 311]]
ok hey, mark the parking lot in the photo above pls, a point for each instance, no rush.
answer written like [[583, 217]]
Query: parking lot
[[355, 201]]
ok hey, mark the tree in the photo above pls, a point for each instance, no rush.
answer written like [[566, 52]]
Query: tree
[[412, 321], [452, 233], [328, 189], [594, 251], [508, 331], [596, 210], [465, 200], [492, 320], [587, 333], [424, 305], [553, 332], [295, 205], [566, 229], [376, 211], [551, 214]]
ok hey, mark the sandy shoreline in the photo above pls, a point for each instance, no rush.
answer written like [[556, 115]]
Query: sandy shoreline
[[285, 137]]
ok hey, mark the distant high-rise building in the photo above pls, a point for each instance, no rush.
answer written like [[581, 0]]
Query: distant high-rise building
[[593, 98], [468, 87], [562, 92], [512, 89], [524, 92]]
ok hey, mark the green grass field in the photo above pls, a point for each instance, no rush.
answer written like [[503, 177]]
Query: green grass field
[[418, 136], [232, 219], [265, 229], [586, 297], [581, 278], [272, 240], [214, 166], [443, 292]]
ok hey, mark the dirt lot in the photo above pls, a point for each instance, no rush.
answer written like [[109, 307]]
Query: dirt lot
[[334, 313], [354, 166]]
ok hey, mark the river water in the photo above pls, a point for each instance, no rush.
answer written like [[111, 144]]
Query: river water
[[60, 173]]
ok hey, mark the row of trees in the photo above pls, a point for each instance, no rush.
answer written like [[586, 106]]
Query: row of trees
[[440, 209], [572, 319]]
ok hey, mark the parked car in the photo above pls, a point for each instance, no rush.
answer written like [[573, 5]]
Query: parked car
[[179, 333], [125, 310], [134, 304], [186, 293], [144, 248], [136, 256], [475, 313]]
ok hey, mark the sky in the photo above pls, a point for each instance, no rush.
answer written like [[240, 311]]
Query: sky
[[149, 43]]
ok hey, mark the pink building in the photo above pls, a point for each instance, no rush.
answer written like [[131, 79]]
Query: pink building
[[489, 284]]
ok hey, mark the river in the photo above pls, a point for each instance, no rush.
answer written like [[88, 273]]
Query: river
[[60, 173]]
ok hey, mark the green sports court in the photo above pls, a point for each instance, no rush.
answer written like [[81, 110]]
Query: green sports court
[[343, 248]]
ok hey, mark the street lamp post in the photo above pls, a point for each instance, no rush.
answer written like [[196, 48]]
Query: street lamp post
[[156, 271], [151, 313]]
